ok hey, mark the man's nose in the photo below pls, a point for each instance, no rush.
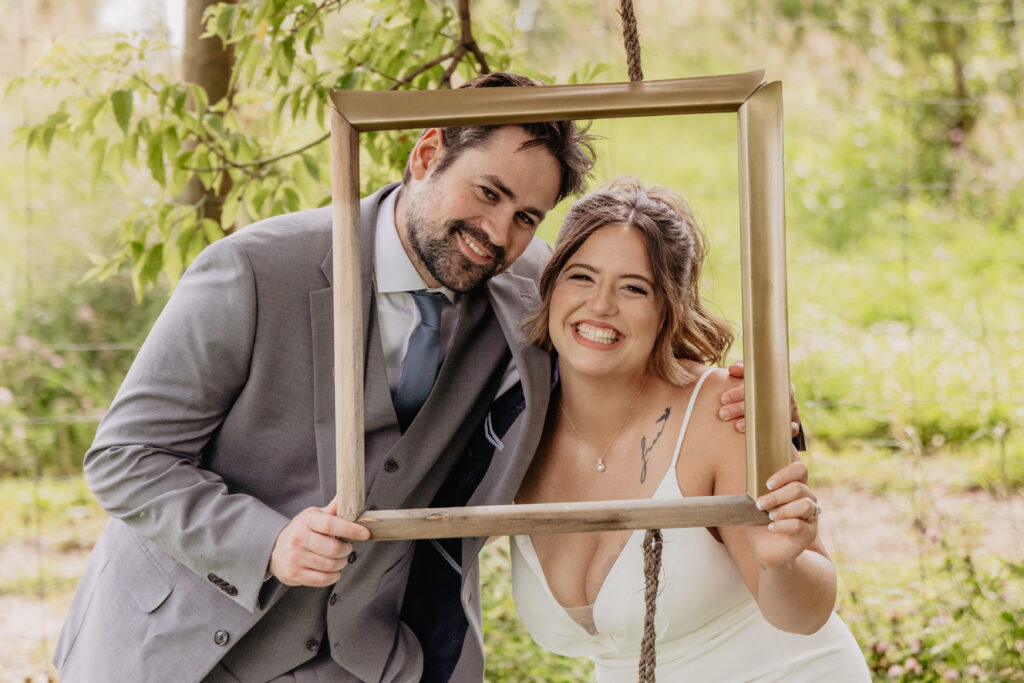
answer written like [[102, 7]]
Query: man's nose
[[498, 226]]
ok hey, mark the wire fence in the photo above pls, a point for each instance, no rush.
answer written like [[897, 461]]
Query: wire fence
[[31, 224]]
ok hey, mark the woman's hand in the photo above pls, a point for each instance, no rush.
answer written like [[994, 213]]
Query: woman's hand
[[793, 509]]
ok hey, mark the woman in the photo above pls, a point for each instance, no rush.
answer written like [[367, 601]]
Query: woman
[[635, 417]]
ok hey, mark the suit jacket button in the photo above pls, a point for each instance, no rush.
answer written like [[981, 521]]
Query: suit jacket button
[[352, 557], [334, 598], [231, 590], [221, 637], [312, 645], [391, 466], [212, 577]]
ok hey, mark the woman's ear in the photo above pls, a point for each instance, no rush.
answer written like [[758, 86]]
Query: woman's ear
[[426, 154]]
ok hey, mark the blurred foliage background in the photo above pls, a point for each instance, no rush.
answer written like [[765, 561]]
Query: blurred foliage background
[[905, 189]]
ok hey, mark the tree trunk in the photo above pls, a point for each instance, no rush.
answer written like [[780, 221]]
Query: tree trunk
[[207, 62]]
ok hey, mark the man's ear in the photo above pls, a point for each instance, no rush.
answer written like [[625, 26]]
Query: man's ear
[[426, 154]]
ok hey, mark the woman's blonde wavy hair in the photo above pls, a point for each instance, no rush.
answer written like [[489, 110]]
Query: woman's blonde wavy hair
[[676, 249]]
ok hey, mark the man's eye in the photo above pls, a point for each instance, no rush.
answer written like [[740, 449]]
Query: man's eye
[[525, 218], [488, 193]]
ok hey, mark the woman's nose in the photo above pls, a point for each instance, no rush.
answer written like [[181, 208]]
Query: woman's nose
[[603, 300]]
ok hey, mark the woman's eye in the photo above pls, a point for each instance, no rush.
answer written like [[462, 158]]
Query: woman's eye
[[583, 277], [636, 290]]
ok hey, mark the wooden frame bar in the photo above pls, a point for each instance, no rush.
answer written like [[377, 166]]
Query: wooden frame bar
[[762, 237]]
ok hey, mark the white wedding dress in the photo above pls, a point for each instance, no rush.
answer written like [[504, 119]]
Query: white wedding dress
[[708, 626]]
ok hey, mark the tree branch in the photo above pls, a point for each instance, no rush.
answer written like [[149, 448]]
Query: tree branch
[[416, 72], [315, 11], [468, 42], [253, 164]]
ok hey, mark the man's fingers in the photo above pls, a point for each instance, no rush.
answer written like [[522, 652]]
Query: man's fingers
[[321, 563], [733, 397], [329, 525], [314, 547], [328, 546], [332, 507], [736, 369], [311, 577], [342, 528]]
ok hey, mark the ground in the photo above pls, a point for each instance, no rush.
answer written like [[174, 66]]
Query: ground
[[38, 571]]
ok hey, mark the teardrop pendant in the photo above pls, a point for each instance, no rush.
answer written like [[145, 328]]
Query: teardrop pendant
[[600, 465]]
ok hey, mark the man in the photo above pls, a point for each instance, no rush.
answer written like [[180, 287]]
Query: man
[[224, 560]]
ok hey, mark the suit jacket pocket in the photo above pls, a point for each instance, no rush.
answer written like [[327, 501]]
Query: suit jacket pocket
[[139, 570]]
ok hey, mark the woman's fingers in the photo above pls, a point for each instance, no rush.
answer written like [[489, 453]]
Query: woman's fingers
[[805, 509], [794, 471]]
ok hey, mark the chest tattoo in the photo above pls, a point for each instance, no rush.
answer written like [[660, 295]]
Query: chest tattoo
[[645, 450]]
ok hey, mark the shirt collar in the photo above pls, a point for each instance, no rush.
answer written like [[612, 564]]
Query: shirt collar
[[393, 270]]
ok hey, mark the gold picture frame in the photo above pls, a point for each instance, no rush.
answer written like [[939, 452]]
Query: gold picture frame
[[758, 109]]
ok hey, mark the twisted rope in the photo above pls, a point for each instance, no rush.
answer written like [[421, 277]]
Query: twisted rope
[[652, 568], [652, 539], [631, 38]]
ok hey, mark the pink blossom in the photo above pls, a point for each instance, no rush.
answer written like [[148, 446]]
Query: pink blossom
[[6, 396], [895, 671], [26, 343], [951, 675], [85, 313]]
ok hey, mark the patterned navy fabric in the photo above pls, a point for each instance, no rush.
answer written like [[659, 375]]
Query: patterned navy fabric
[[432, 607]]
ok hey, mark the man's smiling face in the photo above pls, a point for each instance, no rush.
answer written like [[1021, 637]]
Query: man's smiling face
[[470, 221]]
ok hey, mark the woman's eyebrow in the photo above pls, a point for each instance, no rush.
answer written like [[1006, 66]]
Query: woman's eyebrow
[[642, 278]]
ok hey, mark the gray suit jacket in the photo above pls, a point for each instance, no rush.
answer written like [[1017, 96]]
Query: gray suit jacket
[[223, 430]]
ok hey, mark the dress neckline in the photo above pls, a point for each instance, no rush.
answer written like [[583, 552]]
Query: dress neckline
[[527, 542]]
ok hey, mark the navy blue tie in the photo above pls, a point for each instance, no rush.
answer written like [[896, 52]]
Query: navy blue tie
[[422, 359]]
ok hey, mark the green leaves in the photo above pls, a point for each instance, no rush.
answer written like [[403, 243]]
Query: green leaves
[[155, 159], [121, 101], [260, 153]]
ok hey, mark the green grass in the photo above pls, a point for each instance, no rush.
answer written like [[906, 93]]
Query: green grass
[[949, 616], [63, 511], [946, 608]]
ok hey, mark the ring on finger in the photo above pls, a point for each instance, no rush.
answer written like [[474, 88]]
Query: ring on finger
[[816, 513]]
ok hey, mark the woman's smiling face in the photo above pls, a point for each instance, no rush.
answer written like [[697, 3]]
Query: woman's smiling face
[[605, 311]]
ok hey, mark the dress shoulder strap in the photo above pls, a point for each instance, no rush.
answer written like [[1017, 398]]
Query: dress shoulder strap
[[686, 418]]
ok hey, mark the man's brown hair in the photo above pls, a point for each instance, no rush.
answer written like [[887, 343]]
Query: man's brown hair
[[570, 144]]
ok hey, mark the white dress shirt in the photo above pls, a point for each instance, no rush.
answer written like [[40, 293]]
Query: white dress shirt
[[395, 277]]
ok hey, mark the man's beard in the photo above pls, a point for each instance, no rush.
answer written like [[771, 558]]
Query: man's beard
[[443, 258]]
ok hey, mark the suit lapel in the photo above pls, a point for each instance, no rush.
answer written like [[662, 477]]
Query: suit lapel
[[513, 298], [322, 316]]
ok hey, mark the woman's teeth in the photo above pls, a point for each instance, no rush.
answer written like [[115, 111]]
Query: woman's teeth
[[600, 335]]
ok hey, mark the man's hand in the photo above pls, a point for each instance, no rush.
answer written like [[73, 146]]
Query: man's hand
[[314, 547], [733, 406]]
